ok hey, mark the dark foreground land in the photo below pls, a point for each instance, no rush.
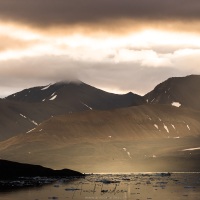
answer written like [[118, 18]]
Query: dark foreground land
[[16, 175]]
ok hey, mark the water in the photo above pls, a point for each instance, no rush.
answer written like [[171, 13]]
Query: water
[[115, 187]]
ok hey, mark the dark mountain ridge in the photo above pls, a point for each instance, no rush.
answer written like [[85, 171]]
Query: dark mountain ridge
[[10, 170], [23, 111], [184, 91]]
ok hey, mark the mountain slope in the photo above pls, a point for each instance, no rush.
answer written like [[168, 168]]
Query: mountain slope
[[11, 170], [182, 91], [24, 110], [77, 96], [147, 138]]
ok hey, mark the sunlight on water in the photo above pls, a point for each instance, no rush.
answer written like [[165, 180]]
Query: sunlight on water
[[138, 186]]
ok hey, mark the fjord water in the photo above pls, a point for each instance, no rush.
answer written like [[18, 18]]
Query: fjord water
[[178, 186]]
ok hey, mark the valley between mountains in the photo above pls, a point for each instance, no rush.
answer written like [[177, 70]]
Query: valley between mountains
[[76, 126]]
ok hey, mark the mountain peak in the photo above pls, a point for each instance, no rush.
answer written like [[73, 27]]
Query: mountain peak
[[183, 90]]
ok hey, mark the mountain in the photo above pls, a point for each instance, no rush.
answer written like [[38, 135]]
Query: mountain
[[13, 170], [140, 138], [23, 111], [179, 91], [77, 96]]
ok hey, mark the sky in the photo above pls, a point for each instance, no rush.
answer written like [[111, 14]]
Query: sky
[[115, 45]]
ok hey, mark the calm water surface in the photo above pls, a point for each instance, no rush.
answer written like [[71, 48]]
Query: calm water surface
[[119, 187]]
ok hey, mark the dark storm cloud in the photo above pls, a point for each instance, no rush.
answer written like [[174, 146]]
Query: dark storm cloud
[[56, 12]]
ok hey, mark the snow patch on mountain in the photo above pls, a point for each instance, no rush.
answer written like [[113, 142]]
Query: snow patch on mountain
[[52, 98], [129, 155], [30, 130], [166, 128], [23, 116], [46, 87], [156, 126], [87, 106], [173, 127], [191, 149], [34, 122], [176, 104], [188, 127], [149, 117]]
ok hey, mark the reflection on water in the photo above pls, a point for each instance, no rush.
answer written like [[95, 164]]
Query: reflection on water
[[125, 186]]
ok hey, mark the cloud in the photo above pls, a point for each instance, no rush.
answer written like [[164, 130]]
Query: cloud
[[111, 44], [8, 43], [114, 77], [51, 12]]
